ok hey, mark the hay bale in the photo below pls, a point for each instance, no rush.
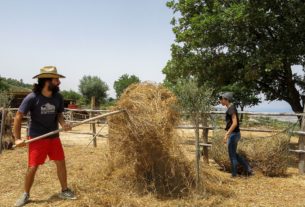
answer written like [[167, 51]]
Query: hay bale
[[145, 140], [268, 155], [219, 152]]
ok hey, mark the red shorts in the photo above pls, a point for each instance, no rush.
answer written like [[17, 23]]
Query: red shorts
[[40, 149]]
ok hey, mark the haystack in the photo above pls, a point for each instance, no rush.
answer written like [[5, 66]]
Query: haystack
[[268, 155], [143, 140]]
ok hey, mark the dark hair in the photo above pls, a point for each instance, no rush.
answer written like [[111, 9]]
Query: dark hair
[[37, 87]]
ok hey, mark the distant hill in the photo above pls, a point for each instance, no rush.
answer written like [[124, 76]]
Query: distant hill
[[13, 85]]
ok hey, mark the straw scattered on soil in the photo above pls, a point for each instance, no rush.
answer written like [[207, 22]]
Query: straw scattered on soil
[[95, 186]]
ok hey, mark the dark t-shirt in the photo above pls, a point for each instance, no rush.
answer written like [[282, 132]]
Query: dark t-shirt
[[231, 110], [43, 112]]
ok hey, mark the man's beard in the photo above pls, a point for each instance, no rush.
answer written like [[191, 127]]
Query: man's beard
[[53, 88]]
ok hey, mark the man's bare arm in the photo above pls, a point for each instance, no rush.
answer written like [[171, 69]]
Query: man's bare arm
[[17, 130], [63, 123], [17, 125]]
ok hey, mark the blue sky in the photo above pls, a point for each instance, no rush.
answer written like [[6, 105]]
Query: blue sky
[[101, 38]]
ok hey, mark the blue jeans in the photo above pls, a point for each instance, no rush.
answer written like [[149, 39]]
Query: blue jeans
[[234, 157]]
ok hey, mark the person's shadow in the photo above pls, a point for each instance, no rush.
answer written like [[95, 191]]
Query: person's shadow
[[51, 199]]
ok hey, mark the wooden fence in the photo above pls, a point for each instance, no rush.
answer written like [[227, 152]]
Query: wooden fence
[[205, 144], [69, 114]]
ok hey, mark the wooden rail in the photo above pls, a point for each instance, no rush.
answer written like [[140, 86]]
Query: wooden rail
[[206, 145], [260, 113], [68, 109], [301, 134], [75, 125], [300, 151], [241, 129], [87, 110]]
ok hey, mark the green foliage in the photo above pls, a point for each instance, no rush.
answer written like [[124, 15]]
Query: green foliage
[[3, 85], [74, 96], [93, 86], [4, 98], [123, 82], [110, 102], [194, 99], [243, 96], [71, 95], [18, 83], [9, 84], [252, 43]]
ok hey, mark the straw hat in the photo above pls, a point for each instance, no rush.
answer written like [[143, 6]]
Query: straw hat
[[48, 72]]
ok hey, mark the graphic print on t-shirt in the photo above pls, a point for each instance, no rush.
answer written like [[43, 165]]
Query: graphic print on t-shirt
[[47, 109]]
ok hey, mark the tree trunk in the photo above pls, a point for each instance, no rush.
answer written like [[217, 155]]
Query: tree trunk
[[285, 90], [292, 94]]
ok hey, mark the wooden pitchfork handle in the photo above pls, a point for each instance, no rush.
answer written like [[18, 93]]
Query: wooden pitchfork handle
[[73, 125]]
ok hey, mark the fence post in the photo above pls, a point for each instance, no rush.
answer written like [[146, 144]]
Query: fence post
[[197, 153], [205, 133], [2, 127], [93, 124], [301, 146]]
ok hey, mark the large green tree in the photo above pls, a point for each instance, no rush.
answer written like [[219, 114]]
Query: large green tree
[[252, 43], [93, 86], [123, 82]]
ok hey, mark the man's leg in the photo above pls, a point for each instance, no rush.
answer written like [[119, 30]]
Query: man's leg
[[57, 154], [29, 179], [62, 173], [66, 193]]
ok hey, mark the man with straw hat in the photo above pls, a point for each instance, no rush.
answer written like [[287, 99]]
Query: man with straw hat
[[232, 135], [46, 108]]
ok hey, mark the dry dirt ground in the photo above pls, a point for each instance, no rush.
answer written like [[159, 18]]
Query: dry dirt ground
[[87, 177]]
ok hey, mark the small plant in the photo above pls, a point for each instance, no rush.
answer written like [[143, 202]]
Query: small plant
[[196, 101]]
